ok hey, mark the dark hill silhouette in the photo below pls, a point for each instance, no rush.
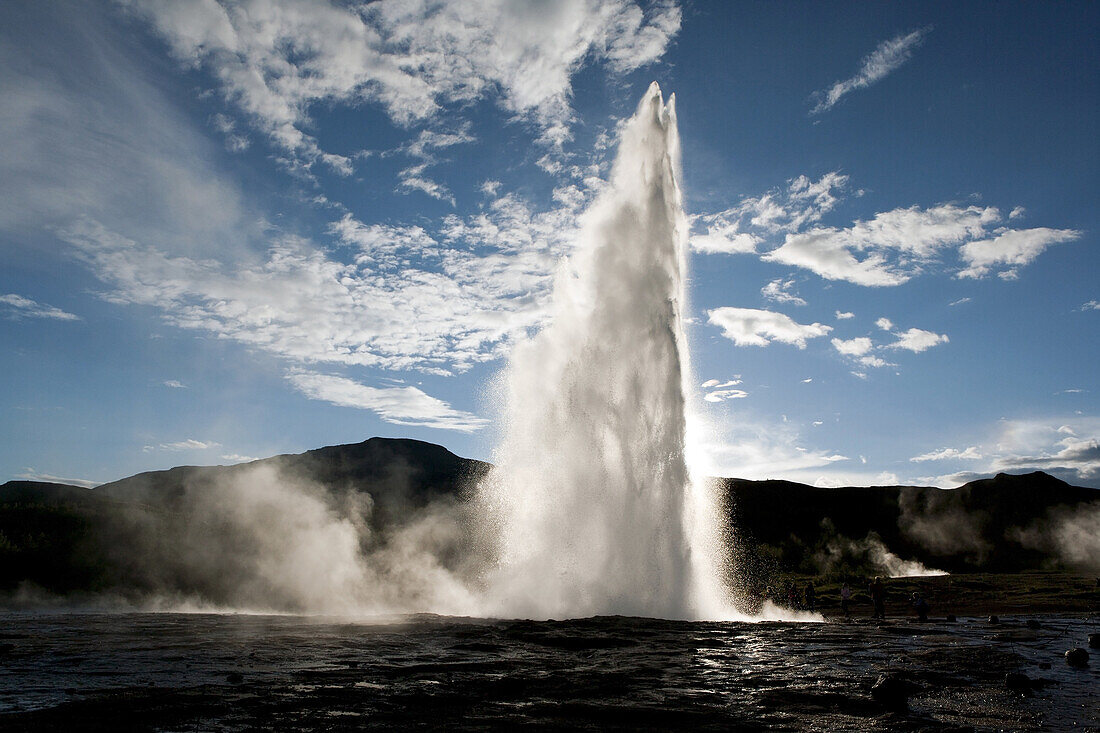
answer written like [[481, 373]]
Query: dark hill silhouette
[[65, 538], [953, 529], [399, 473]]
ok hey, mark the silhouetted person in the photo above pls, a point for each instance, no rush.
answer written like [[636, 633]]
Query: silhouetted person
[[921, 607], [811, 596], [845, 596], [878, 597]]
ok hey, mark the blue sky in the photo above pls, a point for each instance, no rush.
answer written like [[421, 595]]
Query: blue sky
[[230, 231]]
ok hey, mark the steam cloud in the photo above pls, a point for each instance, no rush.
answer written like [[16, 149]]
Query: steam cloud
[[871, 550], [1071, 535], [265, 540], [931, 519]]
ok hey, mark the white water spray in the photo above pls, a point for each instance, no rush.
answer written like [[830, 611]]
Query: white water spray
[[591, 502]]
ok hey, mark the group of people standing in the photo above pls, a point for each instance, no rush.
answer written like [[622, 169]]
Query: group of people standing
[[806, 598]]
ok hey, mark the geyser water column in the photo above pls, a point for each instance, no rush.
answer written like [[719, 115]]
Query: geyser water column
[[591, 503]]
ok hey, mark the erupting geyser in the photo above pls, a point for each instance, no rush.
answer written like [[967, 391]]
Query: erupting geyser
[[592, 503]]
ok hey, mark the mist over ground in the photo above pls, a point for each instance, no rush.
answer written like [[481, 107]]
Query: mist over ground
[[390, 526]]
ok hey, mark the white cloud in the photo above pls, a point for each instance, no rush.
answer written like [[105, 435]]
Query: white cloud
[[742, 446], [778, 291], [712, 383], [238, 458], [723, 238], [1068, 448], [1010, 249], [174, 384], [853, 347], [970, 454], [397, 405], [859, 348], [20, 307], [801, 202], [879, 63], [897, 243], [719, 391], [29, 474], [751, 327], [960, 301], [1092, 305], [1081, 455], [918, 340], [886, 250], [423, 150], [885, 324], [277, 59], [874, 362], [435, 302], [823, 253], [721, 395], [183, 445], [844, 315]]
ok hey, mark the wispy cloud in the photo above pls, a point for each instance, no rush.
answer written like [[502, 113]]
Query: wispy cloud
[[238, 458], [853, 347], [861, 348], [719, 391], [1010, 250], [970, 454], [275, 60], [802, 201], [1067, 447], [182, 445], [29, 474], [397, 405], [752, 327], [424, 150], [918, 340], [875, 66], [779, 291], [448, 299], [886, 250], [1092, 305], [19, 307], [174, 384]]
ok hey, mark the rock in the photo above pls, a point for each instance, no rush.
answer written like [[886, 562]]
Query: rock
[[1094, 641], [1077, 657], [1033, 624], [234, 678], [892, 691], [1017, 682], [950, 618], [994, 620], [1044, 665]]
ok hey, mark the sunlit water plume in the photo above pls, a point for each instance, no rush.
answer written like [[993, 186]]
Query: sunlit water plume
[[591, 510], [592, 505]]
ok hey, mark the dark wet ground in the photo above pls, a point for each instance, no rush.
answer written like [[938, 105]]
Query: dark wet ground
[[185, 672]]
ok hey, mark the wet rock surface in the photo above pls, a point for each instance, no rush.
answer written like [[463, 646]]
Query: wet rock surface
[[1077, 657], [188, 672]]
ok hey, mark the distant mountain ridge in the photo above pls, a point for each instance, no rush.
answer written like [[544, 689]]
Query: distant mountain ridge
[[65, 537]]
